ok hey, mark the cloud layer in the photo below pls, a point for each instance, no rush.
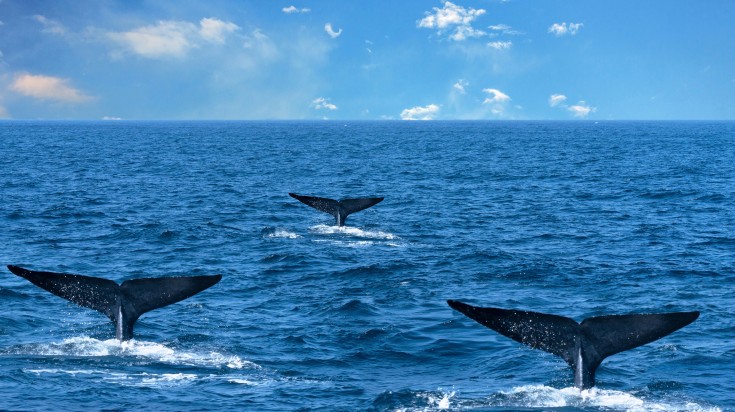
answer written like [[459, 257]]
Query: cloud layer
[[497, 101], [47, 88], [420, 113], [556, 99], [321, 103], [294, 9], [330, 31], [50, 26], [500, 45], [171, 38], [454, 19], [561, 29], [581, 109]]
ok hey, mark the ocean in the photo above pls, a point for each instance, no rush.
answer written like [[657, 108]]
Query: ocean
[[577, 218]]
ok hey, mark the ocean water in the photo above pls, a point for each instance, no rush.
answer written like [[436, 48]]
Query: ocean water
[[573, 218]]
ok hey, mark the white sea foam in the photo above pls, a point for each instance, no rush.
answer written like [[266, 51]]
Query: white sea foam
[[167, 378], [353, 231], [57, 371], [433, 401], [125, 379], [539, 396], [284, 234], [243, 382], [86, 346], [347, 243], [444, 403]]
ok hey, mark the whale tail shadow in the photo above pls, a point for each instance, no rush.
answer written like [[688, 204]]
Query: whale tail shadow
[[124, 303], [582, 345], [340, 209]]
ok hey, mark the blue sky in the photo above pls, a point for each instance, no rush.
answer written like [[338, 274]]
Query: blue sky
[[371, 60]]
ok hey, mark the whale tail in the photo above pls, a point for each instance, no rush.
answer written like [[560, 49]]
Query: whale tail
[[582, 345], [339, 209], [122, 304]]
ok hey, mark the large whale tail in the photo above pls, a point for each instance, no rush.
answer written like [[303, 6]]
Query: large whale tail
[[124, 303], [340, 209], [582, 345]]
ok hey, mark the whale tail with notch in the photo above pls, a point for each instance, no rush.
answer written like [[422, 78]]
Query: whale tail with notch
[[340, 209], [124, 303], [582, 345]]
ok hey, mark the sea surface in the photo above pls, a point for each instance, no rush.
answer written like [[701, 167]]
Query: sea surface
[[577, 219]]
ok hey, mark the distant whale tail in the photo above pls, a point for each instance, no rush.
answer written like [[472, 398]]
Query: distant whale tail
[[339, 209], [583, 346], [124, 303]]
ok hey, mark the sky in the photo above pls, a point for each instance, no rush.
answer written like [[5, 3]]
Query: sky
[[367, 60]]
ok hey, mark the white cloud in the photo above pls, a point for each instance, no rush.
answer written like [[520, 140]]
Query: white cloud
[[560, 29], [420, 113], [50, 26], [47, 88], [497, 101], [574, 28], [294, 9], [499, 27], [216, 31], [321, 103], [504, 29], [460, 85], [556, 99], [261, 51], [452, 16], [463, 32], [330, 31], [173, 38], [500, 45], [496, 96], [581, 109], [165, 39]]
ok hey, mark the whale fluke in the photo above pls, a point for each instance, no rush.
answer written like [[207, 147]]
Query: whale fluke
[[339, 209], [124, 303], [582, 345]]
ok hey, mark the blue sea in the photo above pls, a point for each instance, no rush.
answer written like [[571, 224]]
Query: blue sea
[[577, 219]]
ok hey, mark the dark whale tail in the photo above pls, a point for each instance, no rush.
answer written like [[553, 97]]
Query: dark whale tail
[[124, 303], [582, 345], [339, 209]]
